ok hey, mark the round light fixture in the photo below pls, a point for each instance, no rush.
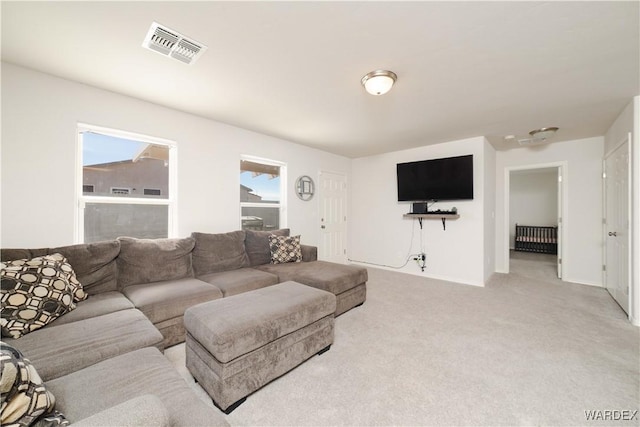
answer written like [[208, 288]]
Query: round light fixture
[[379, 82], [543, 133]]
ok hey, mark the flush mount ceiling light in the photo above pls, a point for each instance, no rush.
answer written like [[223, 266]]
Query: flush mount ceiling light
[[379, 82], [539, 136], [543, 133]]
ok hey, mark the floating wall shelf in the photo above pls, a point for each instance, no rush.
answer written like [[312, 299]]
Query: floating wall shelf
[[442, 216]]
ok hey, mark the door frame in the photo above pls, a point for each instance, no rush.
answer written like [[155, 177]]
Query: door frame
[[346, 208], [563, 206], [628, 140]]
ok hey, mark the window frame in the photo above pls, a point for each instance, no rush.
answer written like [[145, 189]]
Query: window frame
[[81, 200], [282, 205]]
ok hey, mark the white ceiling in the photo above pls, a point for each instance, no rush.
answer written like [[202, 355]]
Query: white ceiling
[[293, 69]]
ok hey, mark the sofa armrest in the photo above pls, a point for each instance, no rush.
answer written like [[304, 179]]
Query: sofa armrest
[[145, 410], [309, 253]]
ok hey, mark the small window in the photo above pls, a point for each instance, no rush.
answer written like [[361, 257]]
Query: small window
[[262, 192], [152, 192], [88, 188]]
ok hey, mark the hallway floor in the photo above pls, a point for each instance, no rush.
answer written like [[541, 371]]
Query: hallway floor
[[534, 265]]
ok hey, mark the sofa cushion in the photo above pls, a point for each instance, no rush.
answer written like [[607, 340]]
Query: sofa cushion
[[97, 305], [257, 245], [309, 253], [144, 410], [235, 282], [153, 260], [24, 396], [218, 252], [161, 301], [60, 350], [285, 249], [328, 276], [35, 292], [119, 379], [94, 263]]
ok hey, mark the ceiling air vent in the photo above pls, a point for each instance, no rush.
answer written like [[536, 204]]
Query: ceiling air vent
[[168, 42]]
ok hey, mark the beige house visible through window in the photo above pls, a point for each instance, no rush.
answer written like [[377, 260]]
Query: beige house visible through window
[[262, 194], [127, 183]]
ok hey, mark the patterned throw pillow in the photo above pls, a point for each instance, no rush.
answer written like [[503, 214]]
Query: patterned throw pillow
[[35, 292], [285, 249], [24, 396]]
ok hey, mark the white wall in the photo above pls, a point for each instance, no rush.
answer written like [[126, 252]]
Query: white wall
[[489, 210], [629, 121], [40, 114], [582, 262], [380, 235], [533, 199]]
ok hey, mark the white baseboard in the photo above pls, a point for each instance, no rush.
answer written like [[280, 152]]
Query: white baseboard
[[421, 274], [580, 282]]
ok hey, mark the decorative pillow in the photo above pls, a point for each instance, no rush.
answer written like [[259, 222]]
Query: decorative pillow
[[24, 396], [35, 292], [257, 245], [285, 249], [52, 419], [75, 286]]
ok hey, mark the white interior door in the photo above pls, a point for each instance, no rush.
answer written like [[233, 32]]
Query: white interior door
[[333, 217], [617, 224], [560, 226]]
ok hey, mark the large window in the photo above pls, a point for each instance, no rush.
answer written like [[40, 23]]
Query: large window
[[127, 185], [262, 194]]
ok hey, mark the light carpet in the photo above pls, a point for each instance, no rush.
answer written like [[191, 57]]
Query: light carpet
[[520, 351]]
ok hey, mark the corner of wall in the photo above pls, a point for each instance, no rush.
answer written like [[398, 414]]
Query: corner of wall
[[489, 201], [635, 214]]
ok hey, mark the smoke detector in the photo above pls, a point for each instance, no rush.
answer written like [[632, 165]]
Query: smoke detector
[[167, 42], [539, 136]]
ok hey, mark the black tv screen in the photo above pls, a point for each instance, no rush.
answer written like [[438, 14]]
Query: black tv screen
[[448, 178]]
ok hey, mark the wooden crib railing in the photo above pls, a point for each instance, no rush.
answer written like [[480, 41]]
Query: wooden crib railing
[[533, 238]]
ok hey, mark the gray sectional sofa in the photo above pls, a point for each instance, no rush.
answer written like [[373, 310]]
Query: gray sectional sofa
[[105, 357]]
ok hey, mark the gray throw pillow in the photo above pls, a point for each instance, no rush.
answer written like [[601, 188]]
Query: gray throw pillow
[[257, 245], [153, 260], [219, 252]]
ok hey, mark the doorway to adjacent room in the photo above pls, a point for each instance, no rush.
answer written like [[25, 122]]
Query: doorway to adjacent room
[[535, 220]]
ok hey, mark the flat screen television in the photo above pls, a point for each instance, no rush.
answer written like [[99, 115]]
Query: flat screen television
[[448, 178]]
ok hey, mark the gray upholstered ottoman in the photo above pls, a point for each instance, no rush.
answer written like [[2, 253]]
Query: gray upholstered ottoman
[[238, 344]]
